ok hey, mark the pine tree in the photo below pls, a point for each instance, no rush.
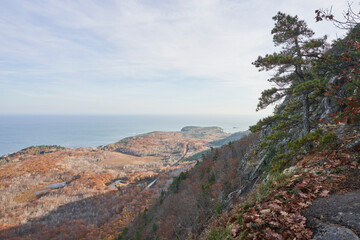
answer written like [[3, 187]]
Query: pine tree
[[292, 65]]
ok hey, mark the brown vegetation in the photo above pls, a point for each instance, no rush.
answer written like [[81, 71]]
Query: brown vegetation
[[169, 146], [194, 197], [85, 206], [274, 209]]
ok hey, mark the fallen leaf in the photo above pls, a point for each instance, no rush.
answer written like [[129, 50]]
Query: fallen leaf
[[303, 195], [303, 205], [275, 206], [235, 230], [324, 193], [285, 214], [276, 224], [265, 211]]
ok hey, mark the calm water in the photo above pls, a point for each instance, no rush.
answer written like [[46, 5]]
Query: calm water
[[18, 132]]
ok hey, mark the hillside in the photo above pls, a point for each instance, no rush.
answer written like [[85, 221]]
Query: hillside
[[296, 176], [55, 192], [233, 137], [169, 146], [229, 195], [295, 203]]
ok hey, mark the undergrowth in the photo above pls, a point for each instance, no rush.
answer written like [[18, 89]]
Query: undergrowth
[[263, 191]]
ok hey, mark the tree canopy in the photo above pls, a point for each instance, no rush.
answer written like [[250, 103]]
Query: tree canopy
[[292, 65]]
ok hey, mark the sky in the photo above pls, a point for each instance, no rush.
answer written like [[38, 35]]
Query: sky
[[141, 57]]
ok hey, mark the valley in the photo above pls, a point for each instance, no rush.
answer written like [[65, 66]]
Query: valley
[[56, 192]]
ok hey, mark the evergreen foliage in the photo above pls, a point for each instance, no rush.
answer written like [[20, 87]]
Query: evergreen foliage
[[176, 182], [293, 76]]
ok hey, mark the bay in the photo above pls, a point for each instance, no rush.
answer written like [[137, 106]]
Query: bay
[[21, 131]]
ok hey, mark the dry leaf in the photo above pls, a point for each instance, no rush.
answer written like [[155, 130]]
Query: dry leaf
[[285, 214], [324, 193], [235, 230]]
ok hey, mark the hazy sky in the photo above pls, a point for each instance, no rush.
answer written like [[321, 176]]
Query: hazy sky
[[140, 57]]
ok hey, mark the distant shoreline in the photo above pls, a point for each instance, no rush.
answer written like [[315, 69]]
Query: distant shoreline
[[73, 131]]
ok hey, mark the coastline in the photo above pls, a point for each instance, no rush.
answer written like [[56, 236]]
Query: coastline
[[73, 131]]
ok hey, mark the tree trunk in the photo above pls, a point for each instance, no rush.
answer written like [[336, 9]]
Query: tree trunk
[[306, 114]]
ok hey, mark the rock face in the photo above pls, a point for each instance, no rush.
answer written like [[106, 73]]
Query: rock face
[[336, 217], [326, 231]]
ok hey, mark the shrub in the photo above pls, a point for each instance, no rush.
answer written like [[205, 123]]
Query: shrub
[[154, 227], [219, 233], [137, 235], [123, 234], [212, 177], [176, 182], [327, 140], [280, 162], [217, 208]]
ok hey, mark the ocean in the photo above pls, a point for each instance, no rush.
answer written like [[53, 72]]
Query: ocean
[[21, 131]]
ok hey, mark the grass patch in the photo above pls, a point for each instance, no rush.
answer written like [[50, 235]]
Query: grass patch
[[219, 233], [275, 182]]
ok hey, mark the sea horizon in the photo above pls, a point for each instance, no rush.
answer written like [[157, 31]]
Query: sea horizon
[[18, 131]]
